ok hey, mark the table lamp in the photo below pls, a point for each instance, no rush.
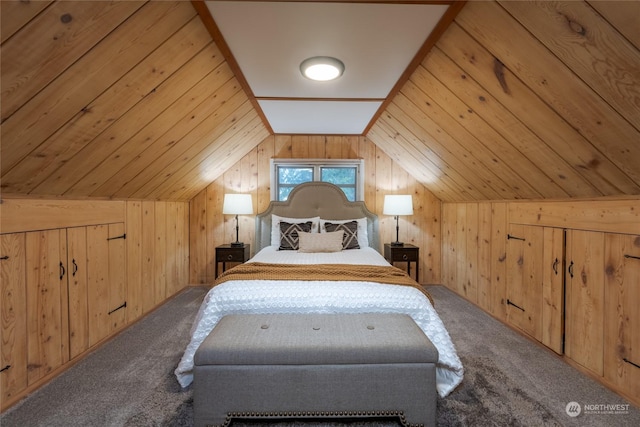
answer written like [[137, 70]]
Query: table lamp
[[237, 204], [396, 205]]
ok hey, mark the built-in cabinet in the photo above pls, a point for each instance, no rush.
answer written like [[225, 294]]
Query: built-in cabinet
[[69, 282], [96, 279], [63, 292], [567, 274], [591, 302], [622, 312]]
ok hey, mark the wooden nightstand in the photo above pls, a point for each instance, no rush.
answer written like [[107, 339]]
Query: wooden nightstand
[[227, 253], [405, 253]]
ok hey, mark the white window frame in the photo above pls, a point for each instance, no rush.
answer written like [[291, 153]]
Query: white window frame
[[317, 164]]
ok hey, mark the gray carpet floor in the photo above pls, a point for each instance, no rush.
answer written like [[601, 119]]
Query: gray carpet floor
[[509, 381]]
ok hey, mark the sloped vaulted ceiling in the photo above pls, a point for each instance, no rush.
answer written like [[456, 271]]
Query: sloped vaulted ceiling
[[120, 99], [524, 100], [135, 100]]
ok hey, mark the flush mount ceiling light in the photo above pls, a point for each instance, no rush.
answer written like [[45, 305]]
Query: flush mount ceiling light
[[322, 68]]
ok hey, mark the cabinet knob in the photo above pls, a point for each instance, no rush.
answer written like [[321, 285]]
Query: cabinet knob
[[404, 257], [229, 257]]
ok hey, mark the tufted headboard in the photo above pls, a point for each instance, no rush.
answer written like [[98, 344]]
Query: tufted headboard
[[316, 199]]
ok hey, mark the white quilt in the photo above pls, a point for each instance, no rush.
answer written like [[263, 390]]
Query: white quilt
[[268, 296]]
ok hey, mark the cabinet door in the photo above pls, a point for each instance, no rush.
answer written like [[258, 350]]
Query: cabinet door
[[524, 278], [13, 377], [47, 304], [553, 289], [622, 317], [106, 280], [585, 299], [117, 277], [78, 296], [98, 282]]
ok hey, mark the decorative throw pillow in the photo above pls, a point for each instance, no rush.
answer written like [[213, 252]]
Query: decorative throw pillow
[[350, 229], [289, 239], [363, 238], [321, 242], [275, 226]]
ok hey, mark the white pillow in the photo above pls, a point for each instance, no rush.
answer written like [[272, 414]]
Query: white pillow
[[275, 226], [320, 242], [363, 237]]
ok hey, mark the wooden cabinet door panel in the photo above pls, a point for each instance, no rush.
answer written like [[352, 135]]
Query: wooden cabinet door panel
[[98, 282], [622, 317], [46, 303], [78, 297], [553, 289], [515, 275], [585, 299], [106, 280], [524, 278], [117, 277], [13, 377]]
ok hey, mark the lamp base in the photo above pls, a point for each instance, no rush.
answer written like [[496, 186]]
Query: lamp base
[[397, 244], [237, 245]]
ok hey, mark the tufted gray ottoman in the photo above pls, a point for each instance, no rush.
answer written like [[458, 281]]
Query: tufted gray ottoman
[[315, 366]]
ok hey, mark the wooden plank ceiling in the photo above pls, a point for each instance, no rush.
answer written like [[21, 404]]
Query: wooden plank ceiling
[[117, 99], [517, 100], [524, 100]]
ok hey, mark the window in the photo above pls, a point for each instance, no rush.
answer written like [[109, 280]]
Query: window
[[346, 174]]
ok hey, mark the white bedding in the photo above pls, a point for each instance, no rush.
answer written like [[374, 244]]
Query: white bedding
[[270, 296]]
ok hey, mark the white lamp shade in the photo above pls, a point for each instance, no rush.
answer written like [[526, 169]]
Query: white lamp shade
[[237, 204], [398, 204]]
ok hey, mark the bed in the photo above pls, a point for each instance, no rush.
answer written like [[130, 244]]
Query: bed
[[361, 280]]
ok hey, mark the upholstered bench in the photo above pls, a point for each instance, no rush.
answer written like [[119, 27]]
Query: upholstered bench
[[315, 366]]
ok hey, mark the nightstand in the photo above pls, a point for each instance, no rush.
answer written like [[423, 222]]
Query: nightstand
[[405, 253], [227, 253]]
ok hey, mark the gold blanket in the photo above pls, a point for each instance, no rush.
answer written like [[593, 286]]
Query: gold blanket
[[332, 272]]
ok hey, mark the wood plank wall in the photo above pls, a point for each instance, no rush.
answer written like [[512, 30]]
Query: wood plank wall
[[474, 239], [157, 261], [209, 228]]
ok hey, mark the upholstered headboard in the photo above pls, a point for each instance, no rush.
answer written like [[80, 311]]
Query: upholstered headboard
[[316, 199]]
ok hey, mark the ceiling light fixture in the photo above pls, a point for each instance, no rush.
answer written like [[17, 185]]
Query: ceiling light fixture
[[322, 68]]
